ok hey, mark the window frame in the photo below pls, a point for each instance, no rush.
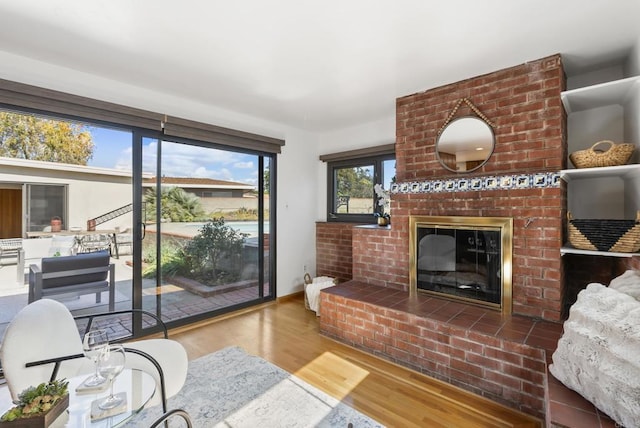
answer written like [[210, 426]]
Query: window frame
[[263, 152], [377, 162]]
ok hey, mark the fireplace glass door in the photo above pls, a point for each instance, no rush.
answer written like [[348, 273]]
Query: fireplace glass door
[[463, 258], [460, 262]]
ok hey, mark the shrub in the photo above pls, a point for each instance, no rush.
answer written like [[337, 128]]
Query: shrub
[[214, 255]]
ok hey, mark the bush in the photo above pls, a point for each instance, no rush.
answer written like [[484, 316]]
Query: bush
[[215, 254]]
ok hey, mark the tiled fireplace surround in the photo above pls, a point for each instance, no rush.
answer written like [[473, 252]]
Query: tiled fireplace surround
[[501, 357]]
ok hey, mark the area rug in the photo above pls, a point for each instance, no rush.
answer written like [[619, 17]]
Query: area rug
[[231, 388]]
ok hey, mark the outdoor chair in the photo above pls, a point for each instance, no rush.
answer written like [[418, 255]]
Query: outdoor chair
[[95, 242], [35, 249], [10, 247], [43, 343], [73, 276], [122, 239]]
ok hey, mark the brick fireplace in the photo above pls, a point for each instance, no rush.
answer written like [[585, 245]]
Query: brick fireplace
[[502, 357], [524, 104]]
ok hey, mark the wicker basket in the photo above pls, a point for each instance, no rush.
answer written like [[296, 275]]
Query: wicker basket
[[615, 154], [619, 236]]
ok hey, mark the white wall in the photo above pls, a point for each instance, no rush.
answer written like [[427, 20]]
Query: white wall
[[297, 189], [297, 165]]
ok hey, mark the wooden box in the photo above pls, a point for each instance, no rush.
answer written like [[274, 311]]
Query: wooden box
[[42, 420]]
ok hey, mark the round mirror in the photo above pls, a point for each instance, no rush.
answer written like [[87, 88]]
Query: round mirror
[[465, 144]]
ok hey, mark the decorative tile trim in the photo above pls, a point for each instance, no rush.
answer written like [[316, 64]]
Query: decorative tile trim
[[491, 182]]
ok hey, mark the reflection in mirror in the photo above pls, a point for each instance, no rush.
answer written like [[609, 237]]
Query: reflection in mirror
[[465, 144]]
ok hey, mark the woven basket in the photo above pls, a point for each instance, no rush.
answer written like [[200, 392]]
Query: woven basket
[[615, 154], [619, 236]]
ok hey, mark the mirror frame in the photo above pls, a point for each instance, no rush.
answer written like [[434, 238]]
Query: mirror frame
[[486, 159]]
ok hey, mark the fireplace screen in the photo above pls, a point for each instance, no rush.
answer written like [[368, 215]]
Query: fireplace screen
[[464, 258]]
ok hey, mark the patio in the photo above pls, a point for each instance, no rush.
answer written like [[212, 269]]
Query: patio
[[177, 302]]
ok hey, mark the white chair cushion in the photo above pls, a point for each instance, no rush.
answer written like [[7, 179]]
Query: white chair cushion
[[62, 245], [41, 330]]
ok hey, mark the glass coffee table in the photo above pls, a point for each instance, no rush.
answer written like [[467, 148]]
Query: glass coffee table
[[138, 385]]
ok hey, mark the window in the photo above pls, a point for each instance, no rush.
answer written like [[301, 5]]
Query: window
[[131, 146], [351, 196], [44, 203]]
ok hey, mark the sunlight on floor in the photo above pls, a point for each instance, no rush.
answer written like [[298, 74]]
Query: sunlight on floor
[[163, 289], [337, 375]]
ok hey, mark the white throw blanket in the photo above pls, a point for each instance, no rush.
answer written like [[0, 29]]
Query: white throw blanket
[[313, 291], [598, 355]]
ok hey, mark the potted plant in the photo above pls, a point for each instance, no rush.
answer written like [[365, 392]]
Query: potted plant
[[383, 219], [37, 406], [384, 201]]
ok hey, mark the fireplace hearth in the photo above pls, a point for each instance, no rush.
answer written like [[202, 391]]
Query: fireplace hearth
[[462, 258]]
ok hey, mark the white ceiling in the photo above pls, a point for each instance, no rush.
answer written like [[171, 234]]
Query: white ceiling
[[314, 65]]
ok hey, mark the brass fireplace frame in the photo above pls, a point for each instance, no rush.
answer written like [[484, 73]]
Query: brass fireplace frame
[[504, 224]]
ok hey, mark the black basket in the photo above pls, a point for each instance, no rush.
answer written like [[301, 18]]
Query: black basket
[[620, 236]]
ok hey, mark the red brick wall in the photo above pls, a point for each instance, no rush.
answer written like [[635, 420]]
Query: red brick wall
[[524, 103], [498, 368], [377, 258], [334, 250]]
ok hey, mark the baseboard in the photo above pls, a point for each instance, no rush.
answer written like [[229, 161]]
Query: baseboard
[[289, 297]]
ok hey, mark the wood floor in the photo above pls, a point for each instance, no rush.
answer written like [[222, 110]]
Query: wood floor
[[287, 335]]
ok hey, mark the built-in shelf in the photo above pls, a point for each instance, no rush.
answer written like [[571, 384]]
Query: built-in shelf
[[621, 171], [603, 94], [567, 249]]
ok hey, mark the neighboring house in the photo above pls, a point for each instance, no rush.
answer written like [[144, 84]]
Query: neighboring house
[[33, 192], [215, 195]]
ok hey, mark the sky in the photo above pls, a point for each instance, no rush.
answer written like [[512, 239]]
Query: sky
[[112, 149]]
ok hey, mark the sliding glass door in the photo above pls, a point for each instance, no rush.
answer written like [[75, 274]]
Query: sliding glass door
[[205, 227], [189, 225]]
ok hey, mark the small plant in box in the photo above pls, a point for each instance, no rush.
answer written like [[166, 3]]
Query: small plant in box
[[42, 404]]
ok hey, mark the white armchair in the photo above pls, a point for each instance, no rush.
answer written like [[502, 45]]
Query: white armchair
[[45, 333]]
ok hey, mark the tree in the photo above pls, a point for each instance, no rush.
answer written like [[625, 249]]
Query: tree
[[266, 178], [355, 182], [177, 205], [25, 136]]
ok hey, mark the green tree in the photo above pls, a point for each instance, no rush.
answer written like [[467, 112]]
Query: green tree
[[26, 136], [266, 177], [177, 205], [355, 182]]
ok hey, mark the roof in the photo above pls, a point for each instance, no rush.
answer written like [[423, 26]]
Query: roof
[[66, 167], [206, 183]]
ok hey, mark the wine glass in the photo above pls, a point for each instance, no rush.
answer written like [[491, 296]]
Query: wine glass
[[93, 344], [111, 365]]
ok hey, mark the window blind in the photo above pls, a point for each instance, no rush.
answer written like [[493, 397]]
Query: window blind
[[21, 96], [386, 149], [177, 127]]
